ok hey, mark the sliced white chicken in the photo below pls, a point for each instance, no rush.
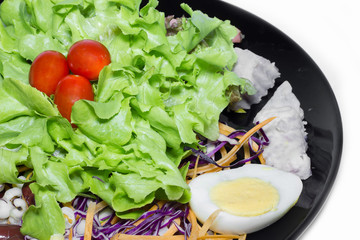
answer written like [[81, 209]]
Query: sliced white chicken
[[258, 70], [287, 135]]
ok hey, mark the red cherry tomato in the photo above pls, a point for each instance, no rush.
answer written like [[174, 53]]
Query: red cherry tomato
[[87, 58], [47, 70], [69, 90]]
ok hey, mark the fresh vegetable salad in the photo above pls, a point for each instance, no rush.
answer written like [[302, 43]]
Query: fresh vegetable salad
[[163, 87]]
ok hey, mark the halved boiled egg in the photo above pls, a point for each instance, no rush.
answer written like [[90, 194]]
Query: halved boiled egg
[[250, 197]]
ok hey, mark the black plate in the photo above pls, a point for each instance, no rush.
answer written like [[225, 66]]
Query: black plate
[[316, 97]]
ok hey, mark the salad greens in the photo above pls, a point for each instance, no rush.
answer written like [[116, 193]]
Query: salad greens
[[158, 93]]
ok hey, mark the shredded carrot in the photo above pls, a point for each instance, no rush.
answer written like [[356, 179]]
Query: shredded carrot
[[147, 237], [71, 234], [29, 175], [225, 129], [154, 207], [227, 160], [23, 169], [254, 130], [196, 166], [224, 161], [217, 234], [220, 236], [223, 151], [207, 224], [246, 152], [172, 229], [242, 237], [205, 227], [69, 205], [261, 157], [100, 206], [115, 220], [103, 223], [194, 226], [91, 211], [67, 217]]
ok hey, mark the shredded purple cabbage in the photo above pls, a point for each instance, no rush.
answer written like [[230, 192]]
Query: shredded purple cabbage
[[153, 221], [99, 179], [261, 141]]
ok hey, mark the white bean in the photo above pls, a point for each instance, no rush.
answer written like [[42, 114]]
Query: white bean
[[69, 217], [14, 221], [105, 213], [3, 221], [11, 193], [80, 230], [20, 185], [2, 186], [5, 208], [20, 208]]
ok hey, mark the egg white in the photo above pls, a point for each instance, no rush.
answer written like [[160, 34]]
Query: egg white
[[288, 185]]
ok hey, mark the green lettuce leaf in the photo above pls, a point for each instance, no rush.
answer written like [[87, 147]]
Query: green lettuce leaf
[[9, 160], [14, 66], [55, 175], [10, 107], [115, 130], [46, 218], [30, 97], [156, 96]]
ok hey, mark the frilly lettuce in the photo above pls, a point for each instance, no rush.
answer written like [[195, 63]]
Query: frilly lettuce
[[158, 93]]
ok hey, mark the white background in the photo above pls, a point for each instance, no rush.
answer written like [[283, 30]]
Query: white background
[[329, 31]]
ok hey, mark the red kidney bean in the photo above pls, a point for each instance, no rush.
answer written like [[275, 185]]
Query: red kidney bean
[[10, 232], [28, 195]]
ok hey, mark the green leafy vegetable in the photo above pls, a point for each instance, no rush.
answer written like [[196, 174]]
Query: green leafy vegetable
[[158, 93], [46, 218]]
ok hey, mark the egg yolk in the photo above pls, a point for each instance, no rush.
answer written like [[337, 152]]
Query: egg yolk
[[245, 196]]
